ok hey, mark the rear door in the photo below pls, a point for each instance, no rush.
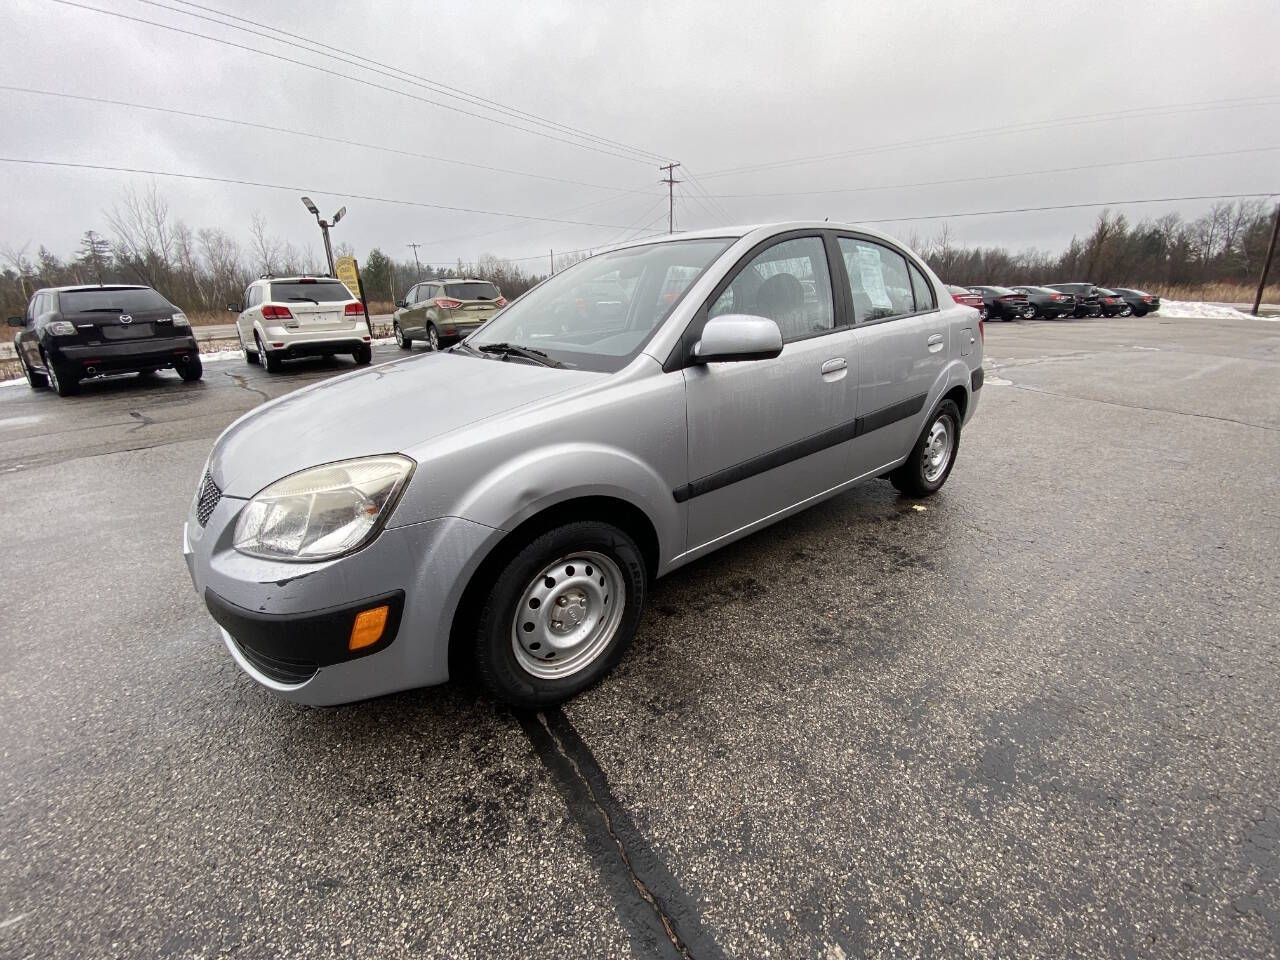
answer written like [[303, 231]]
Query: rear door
[[767, 434], [902, 341]]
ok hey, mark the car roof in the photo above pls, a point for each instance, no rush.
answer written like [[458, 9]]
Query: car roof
[[760, 231], [302, 276], [90, 287]]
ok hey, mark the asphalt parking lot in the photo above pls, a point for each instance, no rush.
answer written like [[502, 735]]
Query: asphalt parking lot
[[1037, 717]]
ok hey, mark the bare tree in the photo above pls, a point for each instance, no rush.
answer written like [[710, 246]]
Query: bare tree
[[144, 239]]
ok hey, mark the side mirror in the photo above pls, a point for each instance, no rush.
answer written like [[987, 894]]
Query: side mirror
[[233, 308], [738, 336], [401, 304], [16, 321]]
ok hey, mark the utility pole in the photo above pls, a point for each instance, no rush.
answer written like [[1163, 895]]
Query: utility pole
[[671, 182], [415, 257], [1266, 264], [324, 228], [553, 261]]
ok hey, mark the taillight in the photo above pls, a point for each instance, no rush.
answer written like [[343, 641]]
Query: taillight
[[1059, 296], [501, 301], [447, 303], [1146, 299], [353, 310], [272, 312]]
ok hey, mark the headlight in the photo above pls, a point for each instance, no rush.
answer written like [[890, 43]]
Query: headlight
[[180, 320], [62, 328], [323, 512]]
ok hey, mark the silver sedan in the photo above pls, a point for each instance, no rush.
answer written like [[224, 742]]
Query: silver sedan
[[502, 507]]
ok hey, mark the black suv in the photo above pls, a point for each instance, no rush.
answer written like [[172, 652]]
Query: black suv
[[72, 333], [1088, 300]]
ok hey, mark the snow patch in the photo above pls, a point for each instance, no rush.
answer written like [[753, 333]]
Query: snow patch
[[1187, 309]]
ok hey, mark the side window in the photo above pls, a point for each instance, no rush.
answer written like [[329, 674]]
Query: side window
[[922, 289], [788, 283], [255, 296], [411, 297], [879, 283]]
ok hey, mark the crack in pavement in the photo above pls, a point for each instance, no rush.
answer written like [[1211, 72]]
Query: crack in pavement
[[649, 900], [243, 383]]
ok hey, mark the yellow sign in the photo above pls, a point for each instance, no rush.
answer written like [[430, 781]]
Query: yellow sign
[[347, 272]]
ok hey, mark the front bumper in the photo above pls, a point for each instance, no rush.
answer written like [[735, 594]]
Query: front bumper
[[287, 624], [128, 355]]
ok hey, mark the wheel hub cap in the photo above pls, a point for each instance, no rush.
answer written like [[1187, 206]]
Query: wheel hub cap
[[568, 615], [937, 449]]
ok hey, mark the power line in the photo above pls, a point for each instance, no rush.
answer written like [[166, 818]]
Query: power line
[[316, 190], [427, 82], [275, 128], [1065, 206], [1024, 127], [996, 176], [329, 72]]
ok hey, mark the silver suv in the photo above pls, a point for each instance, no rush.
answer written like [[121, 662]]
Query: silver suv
[[568, 457]]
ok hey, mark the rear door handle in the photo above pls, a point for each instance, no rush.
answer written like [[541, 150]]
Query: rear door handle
[[834, 365], [935, 343]]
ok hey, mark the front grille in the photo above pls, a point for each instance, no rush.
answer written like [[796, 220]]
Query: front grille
[[207, 499]]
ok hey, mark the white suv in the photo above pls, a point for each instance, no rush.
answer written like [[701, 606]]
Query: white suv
[[286, 317]]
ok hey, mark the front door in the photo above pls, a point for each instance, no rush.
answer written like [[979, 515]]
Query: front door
[[765, 435]]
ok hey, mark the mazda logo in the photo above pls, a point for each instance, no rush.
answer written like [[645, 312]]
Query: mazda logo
[[126, 318]]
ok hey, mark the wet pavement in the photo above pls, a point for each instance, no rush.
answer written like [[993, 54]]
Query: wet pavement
[[1037, 717]]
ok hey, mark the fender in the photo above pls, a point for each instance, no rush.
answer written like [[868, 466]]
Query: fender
[[520, 488]]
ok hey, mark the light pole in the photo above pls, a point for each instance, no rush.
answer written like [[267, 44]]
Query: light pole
[[324, 228]]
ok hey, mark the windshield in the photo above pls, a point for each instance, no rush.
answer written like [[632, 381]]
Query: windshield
[[598, 314], [321, 291], [106, 300], [471, 290]]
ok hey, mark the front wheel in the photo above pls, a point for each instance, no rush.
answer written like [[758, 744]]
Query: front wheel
[[934, 454], [560, 614]]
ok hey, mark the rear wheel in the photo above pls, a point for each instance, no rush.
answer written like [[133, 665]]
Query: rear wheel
[[433, 337], [192, 370], [560, 614], [36, 381], [403, 342], [363, 355], [63, 379], [934, 454], [269, 359]]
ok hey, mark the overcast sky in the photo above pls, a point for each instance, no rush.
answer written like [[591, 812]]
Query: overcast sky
[[713, 85]]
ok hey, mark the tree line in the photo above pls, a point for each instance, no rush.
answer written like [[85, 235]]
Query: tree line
[[207, 268]]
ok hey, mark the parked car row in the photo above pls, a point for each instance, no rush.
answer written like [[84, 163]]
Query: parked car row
[[1056, 301]]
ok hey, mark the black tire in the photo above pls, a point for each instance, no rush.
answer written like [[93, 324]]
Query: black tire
[[403, 342], [192, 370], [269, 359], [64, 380], [910, 478], [497, 667], [433, 337], [363, 355], [1139, 312], [36, 381]]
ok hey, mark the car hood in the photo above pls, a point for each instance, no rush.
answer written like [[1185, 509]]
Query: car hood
[[388, 408]]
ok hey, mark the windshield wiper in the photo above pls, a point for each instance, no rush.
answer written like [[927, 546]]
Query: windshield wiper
[[300, 299], [515, 350]]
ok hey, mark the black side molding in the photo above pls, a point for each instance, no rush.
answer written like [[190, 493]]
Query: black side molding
[[975, 380], [800, 448]]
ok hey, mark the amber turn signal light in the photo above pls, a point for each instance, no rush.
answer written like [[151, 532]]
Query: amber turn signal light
[[367, 630]]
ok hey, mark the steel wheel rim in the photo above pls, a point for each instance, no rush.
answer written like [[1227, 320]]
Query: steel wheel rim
[[433, 339], [937, 449], [568, 615]]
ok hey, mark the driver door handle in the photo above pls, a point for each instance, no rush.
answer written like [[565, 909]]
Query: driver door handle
[[834, 365]]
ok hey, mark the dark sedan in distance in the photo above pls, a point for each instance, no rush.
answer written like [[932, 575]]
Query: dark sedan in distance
[[1140, 302], [1088, 301], [1049, 304], [1005, 304], [1113, 305]]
